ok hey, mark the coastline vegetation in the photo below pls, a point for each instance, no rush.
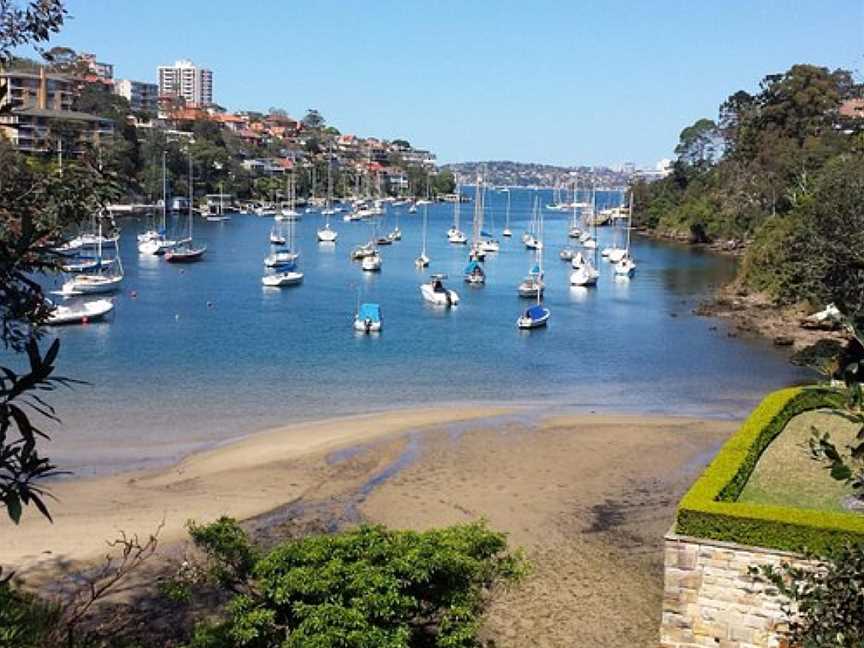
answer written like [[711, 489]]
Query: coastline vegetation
[[779, 175]]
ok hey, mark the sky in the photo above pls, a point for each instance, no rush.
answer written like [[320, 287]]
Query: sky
[[568, 82]]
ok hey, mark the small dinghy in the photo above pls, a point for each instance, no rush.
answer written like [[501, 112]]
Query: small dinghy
[[435, 292], [281, 279], [81, 313]]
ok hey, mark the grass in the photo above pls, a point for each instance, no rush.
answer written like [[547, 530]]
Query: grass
[[785, 475]]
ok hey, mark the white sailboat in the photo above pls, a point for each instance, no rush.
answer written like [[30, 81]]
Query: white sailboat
[[574, 231], [532, 285], [284, 258], [99, 282], [423, 260], [155, 241], [454, 234], [288, 211], [626, 266], [478, 251], [530, 238], [585, 272], [506, 231], [328, 234], [185, 251]]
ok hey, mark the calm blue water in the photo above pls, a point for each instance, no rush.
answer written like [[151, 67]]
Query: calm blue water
[[203, 353]]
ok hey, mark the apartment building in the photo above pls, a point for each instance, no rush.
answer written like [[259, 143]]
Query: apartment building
[[32, 104], [142, 97], [187, 81]]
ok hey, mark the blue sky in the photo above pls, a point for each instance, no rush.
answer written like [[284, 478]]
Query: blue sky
[[557, 82]]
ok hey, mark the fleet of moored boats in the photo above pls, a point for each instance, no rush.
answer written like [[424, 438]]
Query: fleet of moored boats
[[99, 275]]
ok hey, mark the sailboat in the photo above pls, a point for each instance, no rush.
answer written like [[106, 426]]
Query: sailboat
[[532, 285], [626, 266], [454, 234], [423, 260], [287, 257], [185, 250], [155, 241], [506, 231], [288, 211], [585, 272], [327, 234], [488, 242], [589, 240], [478, 251], [534, 317], [89, 284], [529, 238], [574, 231], [276, 235], [435, 292], [219, 214]]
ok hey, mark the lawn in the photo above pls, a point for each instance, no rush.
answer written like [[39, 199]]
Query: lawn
[[785, 475]]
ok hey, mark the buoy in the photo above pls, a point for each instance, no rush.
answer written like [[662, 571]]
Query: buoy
[[177, 316], [209, 304], [133, 294], [85, 320]]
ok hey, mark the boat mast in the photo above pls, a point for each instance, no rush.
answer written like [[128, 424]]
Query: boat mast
[[425, 216], [164, 193], [457, 207], [507, 217], [629, 222], [191, 196]]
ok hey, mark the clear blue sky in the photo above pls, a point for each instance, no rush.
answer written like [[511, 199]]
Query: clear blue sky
[[557, 82]]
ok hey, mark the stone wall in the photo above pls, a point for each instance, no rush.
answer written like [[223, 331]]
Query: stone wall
[[710, 600]]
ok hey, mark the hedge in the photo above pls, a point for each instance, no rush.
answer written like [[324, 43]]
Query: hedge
[[710, 508]]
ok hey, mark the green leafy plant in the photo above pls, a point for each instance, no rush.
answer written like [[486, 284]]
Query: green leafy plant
[[368, 587], [825, 603]]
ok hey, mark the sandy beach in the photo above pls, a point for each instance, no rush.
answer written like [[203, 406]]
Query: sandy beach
[[587, 496]]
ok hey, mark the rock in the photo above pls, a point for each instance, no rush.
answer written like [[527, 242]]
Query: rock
[[783, 340]]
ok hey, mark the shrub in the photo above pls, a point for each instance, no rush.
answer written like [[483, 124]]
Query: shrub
[[369, 587], [710, 510]]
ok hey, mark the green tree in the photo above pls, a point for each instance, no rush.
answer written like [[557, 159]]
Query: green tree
[[313, 119], [698, 142], [30, 23], [369, 587]]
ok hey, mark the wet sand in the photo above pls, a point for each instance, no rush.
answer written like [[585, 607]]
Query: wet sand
[[587, 496]]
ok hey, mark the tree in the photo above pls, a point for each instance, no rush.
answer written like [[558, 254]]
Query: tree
[[37, 204], [31, 24], [313, 119], [368, 587], [697, 143]]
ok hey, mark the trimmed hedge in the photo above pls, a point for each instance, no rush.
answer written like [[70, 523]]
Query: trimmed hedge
[[710, 510]]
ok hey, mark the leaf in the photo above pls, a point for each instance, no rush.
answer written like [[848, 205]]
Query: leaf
[[841, 472], [13, 507]]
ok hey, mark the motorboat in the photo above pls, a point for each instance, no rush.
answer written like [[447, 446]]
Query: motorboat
[[281, 279], [435, 292], [566, 254], [80, 313], [367, 319], [533, 317]]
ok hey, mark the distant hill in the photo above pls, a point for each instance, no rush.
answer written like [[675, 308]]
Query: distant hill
[[527, 174]]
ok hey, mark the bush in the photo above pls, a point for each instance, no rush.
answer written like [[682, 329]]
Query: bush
[[25, 620], [710, 510], [369, 587]]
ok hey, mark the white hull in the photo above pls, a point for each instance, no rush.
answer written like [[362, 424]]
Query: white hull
[[584, 276], [456, 237], [280, 259], [625, 268], [446, 298], [490, 246], [327, 235], [530, 323], [282, 279], [366, 326], [80, 313], [616, 254], [422, 261], [507, 233], [91, 285], [371, 263]]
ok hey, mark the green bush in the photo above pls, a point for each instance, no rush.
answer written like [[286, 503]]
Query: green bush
[[366, 588], [25, 620], [710, 510]]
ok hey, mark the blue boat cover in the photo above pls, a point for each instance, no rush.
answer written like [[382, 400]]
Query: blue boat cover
[[484, 233], [370, 312], [472, 266], [535, 270], [536, 312]]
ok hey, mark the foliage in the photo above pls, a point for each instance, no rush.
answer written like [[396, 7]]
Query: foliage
[[710, 510], [313, 119], [847, 366], [825, 603], [32, 23], [788, 181], [26, 621], [368, 587]]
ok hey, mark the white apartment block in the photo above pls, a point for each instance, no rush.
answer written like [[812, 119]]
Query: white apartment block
[[142, 97], [184, 79]]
